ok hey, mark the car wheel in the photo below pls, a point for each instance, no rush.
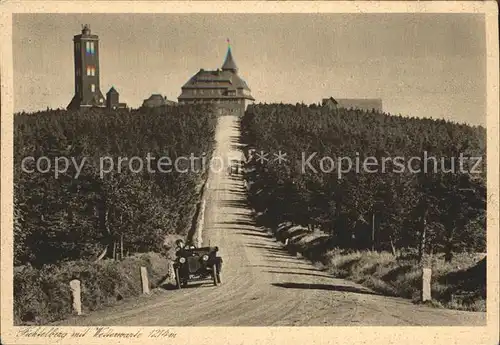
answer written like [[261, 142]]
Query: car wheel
[[177, 278], [215, 273]]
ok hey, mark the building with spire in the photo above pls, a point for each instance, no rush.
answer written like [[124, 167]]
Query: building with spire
[[222, 87]]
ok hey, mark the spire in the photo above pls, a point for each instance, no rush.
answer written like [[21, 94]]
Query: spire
[[229, 64]]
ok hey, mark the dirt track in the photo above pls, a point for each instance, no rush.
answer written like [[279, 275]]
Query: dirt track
[[262, 284]]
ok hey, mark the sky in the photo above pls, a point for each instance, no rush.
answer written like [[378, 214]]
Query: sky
[[422, 65]]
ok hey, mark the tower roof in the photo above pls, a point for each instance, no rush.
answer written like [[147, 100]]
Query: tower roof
[[86, 29], [229, 64]]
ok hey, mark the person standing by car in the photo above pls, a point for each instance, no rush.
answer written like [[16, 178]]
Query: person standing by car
[[181, 246]]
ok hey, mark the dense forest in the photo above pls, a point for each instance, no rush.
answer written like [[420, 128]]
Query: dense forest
[[90, 212], [428, 205]]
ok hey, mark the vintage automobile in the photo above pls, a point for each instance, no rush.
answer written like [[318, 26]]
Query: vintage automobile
[[234, 167], [195, 264]]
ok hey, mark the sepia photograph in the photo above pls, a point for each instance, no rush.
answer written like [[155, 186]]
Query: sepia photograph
[[215, 165]]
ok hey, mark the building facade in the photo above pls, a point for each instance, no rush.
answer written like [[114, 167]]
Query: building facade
[[365, 104], [113, 100], [87, 86], [156, 100], [223, 88]]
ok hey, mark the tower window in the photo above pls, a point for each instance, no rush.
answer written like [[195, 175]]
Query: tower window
[[92, 87], [89, 47], [91, 70]]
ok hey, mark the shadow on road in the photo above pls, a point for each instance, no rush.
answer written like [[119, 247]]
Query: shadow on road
[[288, 260], [287, 267], [279, 256], [270, 248], [234, 177], [236, 190], [277, 251], [300, 273], [340, 288], [244, 215], [170, 286], [234, 203], [238, 223], [255, 234], [232, 190]]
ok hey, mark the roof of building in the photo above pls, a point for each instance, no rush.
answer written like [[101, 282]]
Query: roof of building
[[356, 103], [223, 80], [156, 100], [366, 103], [112, 90], [86, 34], [86, 29], [226, 79], [156, 96], [229, 64], [216, 79], [331, 99]]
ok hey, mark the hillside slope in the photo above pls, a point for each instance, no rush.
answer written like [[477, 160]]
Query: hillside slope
[[263, 285]]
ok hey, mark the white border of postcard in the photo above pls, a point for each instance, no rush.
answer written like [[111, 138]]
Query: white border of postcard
[[260, 335]]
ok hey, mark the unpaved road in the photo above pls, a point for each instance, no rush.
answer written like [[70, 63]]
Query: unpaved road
[[263, 285]]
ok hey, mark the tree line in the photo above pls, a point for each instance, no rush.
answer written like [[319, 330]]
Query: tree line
[[94, 215], [439, 209]]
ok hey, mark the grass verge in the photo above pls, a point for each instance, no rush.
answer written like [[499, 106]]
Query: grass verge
[[459, 284], [43, 295]]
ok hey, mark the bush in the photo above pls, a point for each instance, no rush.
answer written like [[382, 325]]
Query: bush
[[43, 295]]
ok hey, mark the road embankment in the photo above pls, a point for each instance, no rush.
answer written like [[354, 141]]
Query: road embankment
[[459, 284]]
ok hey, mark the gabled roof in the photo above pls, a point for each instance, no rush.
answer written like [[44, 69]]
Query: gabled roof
[[222, 83], [155, 96], [112, 90], [216, 79], [229, 64], [330, 99], [154, 100]]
